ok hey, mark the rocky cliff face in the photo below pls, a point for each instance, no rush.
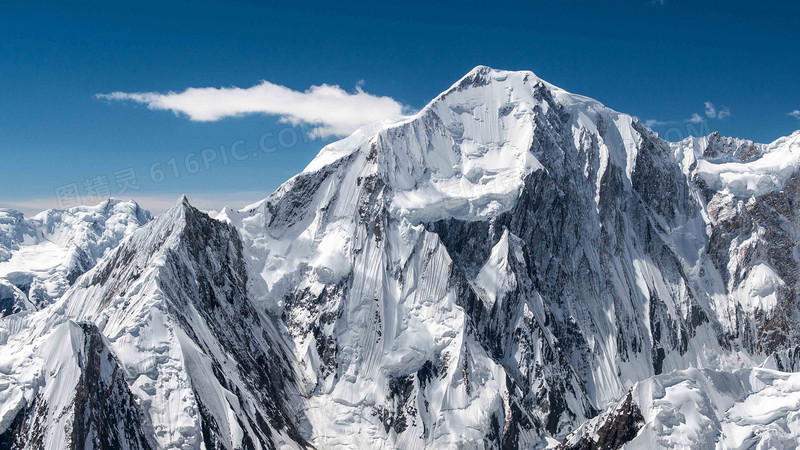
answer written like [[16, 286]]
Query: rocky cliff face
[[81, 400], [749, 193], [203, 364], [514, 266]]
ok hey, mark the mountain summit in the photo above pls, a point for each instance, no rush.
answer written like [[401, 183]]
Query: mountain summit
[[513, 266]]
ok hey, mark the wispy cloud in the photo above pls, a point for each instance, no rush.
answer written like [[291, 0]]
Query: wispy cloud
[[649, 123], [696, 118], [330, 110], [710, 112], [795, 114]]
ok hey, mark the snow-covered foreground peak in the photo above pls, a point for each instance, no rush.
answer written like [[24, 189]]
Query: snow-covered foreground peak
[[80, 400], [467, 153], [41, 256], [586, 254]]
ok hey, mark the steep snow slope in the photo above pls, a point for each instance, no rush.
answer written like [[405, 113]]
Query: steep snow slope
[[199, 358], [576, 249], [43, 255], [82, 401]]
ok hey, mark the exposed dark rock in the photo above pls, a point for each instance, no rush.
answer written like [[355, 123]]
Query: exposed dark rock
[[618, 428]]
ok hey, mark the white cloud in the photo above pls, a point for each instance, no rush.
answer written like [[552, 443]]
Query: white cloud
[[652, 122], [696, 118], [710, 110], [795, 114], [330, 110]]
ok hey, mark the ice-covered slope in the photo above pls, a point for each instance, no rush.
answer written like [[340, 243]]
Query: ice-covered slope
[[43, 255], [580, 259]]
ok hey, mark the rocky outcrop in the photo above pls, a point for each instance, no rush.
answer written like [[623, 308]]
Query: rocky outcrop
[[81, 401]]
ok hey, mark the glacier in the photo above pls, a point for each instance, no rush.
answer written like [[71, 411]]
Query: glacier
[[514, 266]]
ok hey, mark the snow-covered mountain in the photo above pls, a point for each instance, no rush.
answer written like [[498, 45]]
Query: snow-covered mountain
[[204, 365], [514, 266]]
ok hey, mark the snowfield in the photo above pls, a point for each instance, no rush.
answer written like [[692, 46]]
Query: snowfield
[[514, 266]]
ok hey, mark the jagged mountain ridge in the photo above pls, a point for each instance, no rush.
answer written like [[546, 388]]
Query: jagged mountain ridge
[[199, 358], [491, 272]]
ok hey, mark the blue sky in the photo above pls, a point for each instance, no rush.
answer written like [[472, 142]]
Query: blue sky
[[660, 61]]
